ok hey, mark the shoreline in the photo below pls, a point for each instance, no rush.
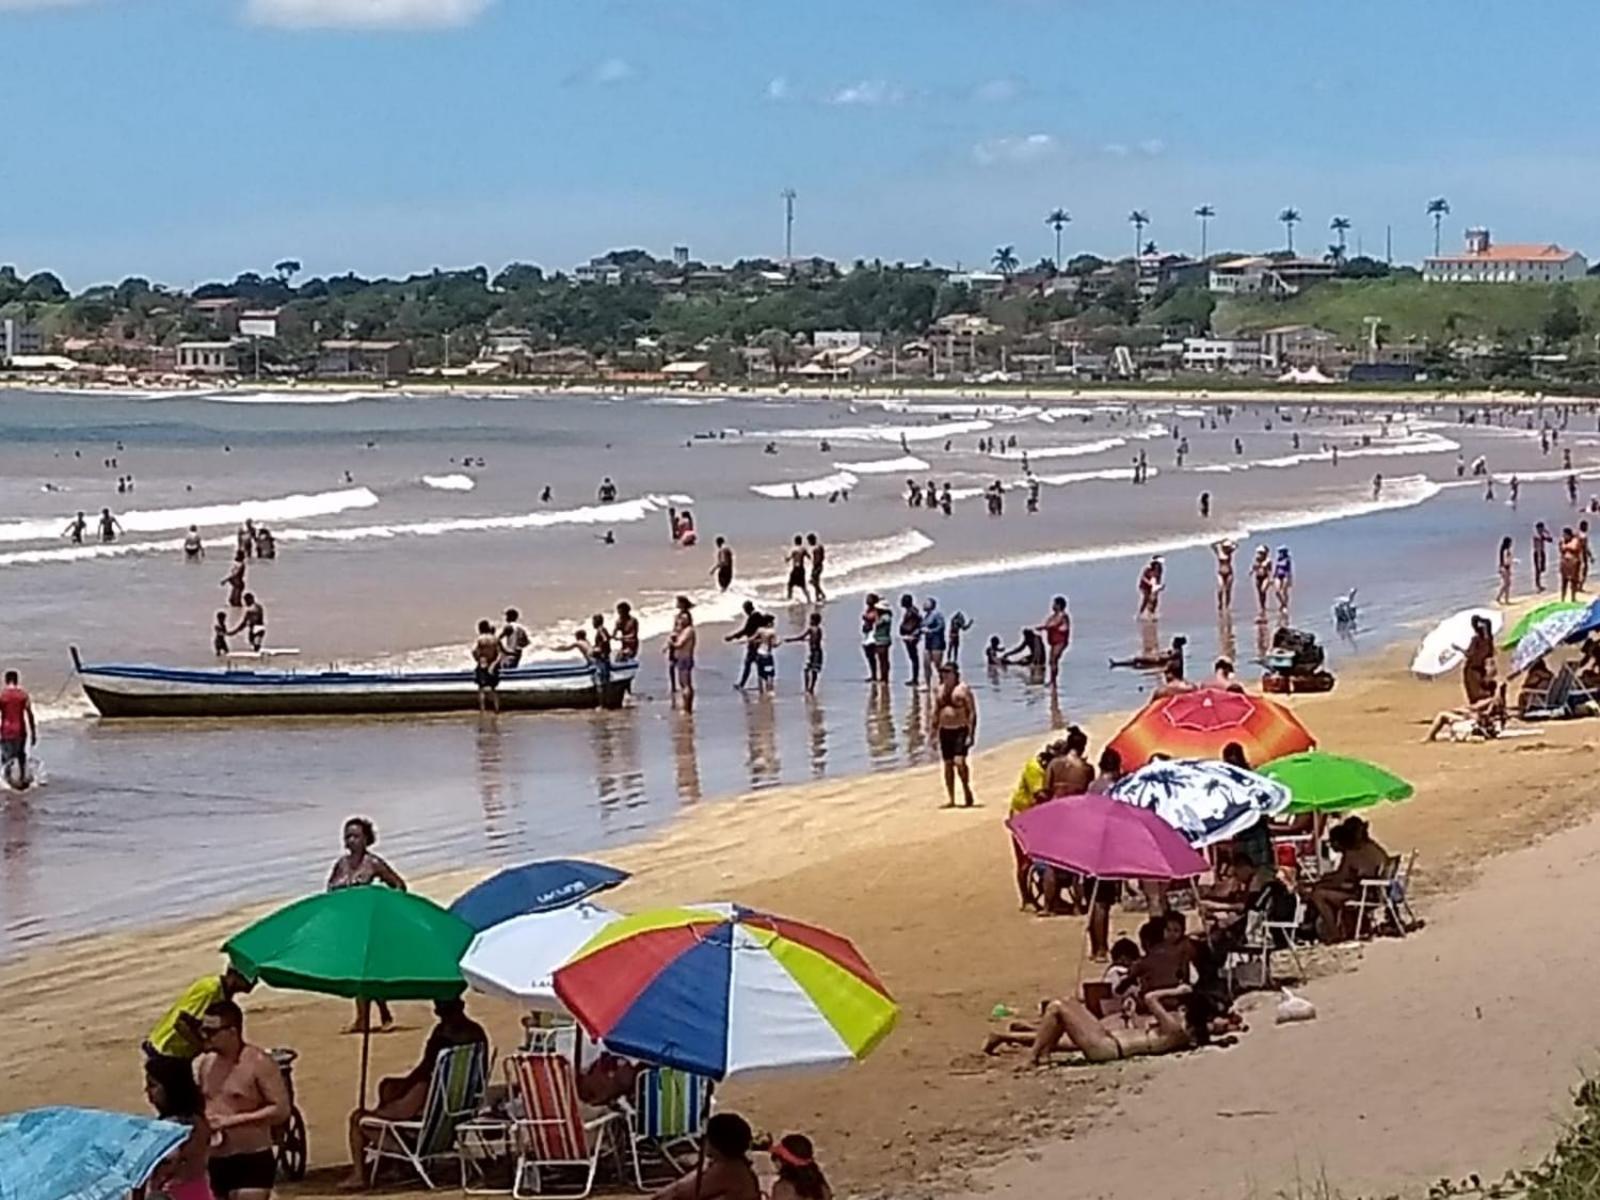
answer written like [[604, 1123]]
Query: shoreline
[[926, 895]]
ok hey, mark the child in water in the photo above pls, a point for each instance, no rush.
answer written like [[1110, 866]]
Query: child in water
[[219, 636], [812, 637]]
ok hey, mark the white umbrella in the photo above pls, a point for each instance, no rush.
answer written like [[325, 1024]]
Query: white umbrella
[[1440, 652], [515, 959], [1545, 637], [1206, 800]]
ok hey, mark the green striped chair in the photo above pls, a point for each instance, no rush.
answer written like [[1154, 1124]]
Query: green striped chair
[[454, 1094], [669, 1112]]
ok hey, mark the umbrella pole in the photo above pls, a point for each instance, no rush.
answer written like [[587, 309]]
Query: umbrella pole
[[1088, 936], [366, 1051]]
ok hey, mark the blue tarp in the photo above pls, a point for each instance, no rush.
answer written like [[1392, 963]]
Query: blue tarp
[[80, 1153]]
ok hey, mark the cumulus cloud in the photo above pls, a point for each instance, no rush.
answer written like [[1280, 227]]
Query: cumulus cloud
[[778, 88], [868, 93], [364, 14], [1019, 149]]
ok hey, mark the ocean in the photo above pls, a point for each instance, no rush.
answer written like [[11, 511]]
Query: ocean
[[403, 518]]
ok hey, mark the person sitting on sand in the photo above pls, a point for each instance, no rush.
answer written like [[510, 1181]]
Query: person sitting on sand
[[725, 1173], [799, 1177], [1485, 719], [1535, 686], [1108, 772], [1225, 677], [402, 1097], [1360, 857], [1165, 957], [1069, 773]]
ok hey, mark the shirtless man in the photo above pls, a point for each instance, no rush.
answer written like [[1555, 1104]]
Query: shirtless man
[[1225, 550], [1541, 544], [109, 526], [818, 554], [75, 528], [626, 633], [253, 624], [486, 659], [245, 1098], [1150, 585], [194, 549], [1571, 563], [797, 570], [680, 652], [234, 581], [722, 568], [956, 718]]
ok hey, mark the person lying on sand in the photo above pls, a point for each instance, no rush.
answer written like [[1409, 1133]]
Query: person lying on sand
[[1178, 1019], [1172, 656], [1483, 719]]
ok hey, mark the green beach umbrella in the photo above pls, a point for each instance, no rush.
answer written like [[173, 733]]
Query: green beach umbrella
[[1322, 782], [367, 943], [1533, 616]]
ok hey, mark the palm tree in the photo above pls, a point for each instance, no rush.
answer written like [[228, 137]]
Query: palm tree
[[1340, 227], [1205, 212], [1138, 218], [1438, 209], [1005, 260], [1290, 218], [1058, 220]]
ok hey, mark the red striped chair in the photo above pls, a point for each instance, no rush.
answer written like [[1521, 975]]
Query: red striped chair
[[551, 1133]]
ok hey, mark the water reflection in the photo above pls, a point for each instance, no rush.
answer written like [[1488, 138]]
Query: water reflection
[[1227, 639], [618, 775], [915, 735], [761, 741], [489, 769], [879, 725], [816, 736], [686, 757]]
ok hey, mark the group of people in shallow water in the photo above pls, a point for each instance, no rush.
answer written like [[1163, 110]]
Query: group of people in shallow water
[[497, 650]]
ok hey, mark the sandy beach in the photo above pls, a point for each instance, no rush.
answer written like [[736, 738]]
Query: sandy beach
[[1466, 1056]]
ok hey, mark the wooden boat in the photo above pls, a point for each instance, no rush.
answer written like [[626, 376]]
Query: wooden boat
[[150, 691]]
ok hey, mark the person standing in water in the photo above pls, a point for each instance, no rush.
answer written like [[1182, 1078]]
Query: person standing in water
[[253, 623], [811, 635], [486, 667], [911, 638], [798, 558], [194, 549], [514, 640], [1504, 561], [1057, 630], [18, 729], [933, 638], [234, 581], [1150, 585], [626, 633], [109, 526], [1225, 550], [680, 652], [722, 568], [1261, 576], [358, 866], [1283, 576], [818, 554], [956, 718], [75, 528], [1541, 561]]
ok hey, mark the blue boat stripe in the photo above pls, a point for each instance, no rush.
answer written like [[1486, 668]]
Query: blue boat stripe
[[221, 676]]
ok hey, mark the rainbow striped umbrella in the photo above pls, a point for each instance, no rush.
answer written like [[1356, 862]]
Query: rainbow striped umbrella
[[721, 990]]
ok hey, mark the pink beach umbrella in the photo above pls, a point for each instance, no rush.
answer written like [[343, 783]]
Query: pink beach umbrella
[[1095, 835]]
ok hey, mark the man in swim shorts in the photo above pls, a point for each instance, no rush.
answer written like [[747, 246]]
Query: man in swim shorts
[[245, 1098], [486, 667], [956, 718], [253, 624], [680, 651], [722, 570], [797, 570], [818, 554]]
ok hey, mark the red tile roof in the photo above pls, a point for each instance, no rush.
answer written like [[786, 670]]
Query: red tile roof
[[1512, 252]]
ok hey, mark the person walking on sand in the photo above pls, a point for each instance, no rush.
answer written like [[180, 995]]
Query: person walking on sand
[[245, 1100], [1504, 564], [1225, 550], [486, 660], [1541, 562], [680, 652], [956, 718], [722, 567], [798, 558], [109, 526], [234, 581], [358, 866], [818, 554], [75, 528], [1150, 585], [1057, 630]]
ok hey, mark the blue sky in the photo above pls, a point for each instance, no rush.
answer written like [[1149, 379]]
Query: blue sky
[[192, 139]]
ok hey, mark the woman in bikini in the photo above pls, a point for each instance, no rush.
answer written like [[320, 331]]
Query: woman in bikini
[[358, 866], [1224, 550], [1261, 573], [1178, 1019], [1057, 630], [1506, 558]]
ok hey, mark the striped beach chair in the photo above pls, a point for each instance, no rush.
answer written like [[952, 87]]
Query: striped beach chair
[[668, 1113], [455, 1092], [551, 1133]]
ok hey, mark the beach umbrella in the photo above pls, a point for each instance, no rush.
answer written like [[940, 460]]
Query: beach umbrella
[[1321, 782], [516, 960], [534, 887], [1544, 636], [1441, 650], [81, 1153], [1532, 617], [1096, 835], [1200, 723], [1205, 800], [369, 943], [720, 990], [1588, 623]]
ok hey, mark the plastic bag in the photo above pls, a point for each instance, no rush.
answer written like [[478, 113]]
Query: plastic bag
[[1295, 1008]]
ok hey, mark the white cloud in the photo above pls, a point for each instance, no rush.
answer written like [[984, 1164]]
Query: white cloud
[[1019, 149], [778, 88], [1116, 150], [997, 91], [364, 14], [868, 93], [1152, 147]]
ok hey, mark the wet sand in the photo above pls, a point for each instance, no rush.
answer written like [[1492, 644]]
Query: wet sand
[[928, 897]]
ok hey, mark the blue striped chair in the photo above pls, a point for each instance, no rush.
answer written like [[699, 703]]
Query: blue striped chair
[[669, 1112]]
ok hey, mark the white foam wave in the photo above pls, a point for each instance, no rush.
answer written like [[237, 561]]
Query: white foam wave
[[700, 401], [450, 483], [905, 464], [876, 433], [993, 412], [1060, 479], [296, 396], [1402, 447], [159, 520], [1032, 453], [807, 489]]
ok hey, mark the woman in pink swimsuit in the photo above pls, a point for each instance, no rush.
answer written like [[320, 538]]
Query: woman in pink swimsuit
[[1057, 630], [182, 1174]]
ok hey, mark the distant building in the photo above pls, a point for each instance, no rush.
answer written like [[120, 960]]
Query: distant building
[[844, 339], [381, 360], [1257, 274], [680, 256], [690, 370], [598, 270], [17, 338], [1159, 271], [1221, 354], [1297, 346], [266, 323], [210, 358], [1484, 262], [221, 312], [977, 281]]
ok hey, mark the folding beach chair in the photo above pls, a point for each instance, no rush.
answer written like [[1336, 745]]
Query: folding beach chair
[[1285, 935], [454, 1093], [550, 1132], [668, 1113], [1375, 897]]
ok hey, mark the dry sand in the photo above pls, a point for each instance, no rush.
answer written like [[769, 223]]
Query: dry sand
[[1401, 1079]]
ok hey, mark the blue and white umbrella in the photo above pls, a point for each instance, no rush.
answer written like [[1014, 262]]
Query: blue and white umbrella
[[535, 887], [81, 1153], [1545, 637], [1205, 800]]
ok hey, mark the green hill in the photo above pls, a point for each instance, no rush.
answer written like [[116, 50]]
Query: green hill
[[1412, 310]]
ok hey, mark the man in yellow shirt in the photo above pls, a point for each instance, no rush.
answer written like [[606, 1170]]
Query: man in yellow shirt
[[1031, 789], [174, 1043]]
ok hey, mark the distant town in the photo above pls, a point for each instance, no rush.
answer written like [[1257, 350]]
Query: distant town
[[1485, 313]]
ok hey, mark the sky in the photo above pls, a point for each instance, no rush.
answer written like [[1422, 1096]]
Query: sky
[[188, 140]]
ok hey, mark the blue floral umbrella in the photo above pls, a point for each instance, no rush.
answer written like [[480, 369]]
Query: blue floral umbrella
[[80, 1153], [1545, 636], [1205, 800]]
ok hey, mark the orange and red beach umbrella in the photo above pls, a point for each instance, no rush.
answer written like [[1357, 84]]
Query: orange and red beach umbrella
[[1199, 724]]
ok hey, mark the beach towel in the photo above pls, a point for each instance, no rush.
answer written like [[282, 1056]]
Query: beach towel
[[80, 1153]]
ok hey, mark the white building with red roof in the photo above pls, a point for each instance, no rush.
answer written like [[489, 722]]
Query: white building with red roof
[[1484, 262]]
